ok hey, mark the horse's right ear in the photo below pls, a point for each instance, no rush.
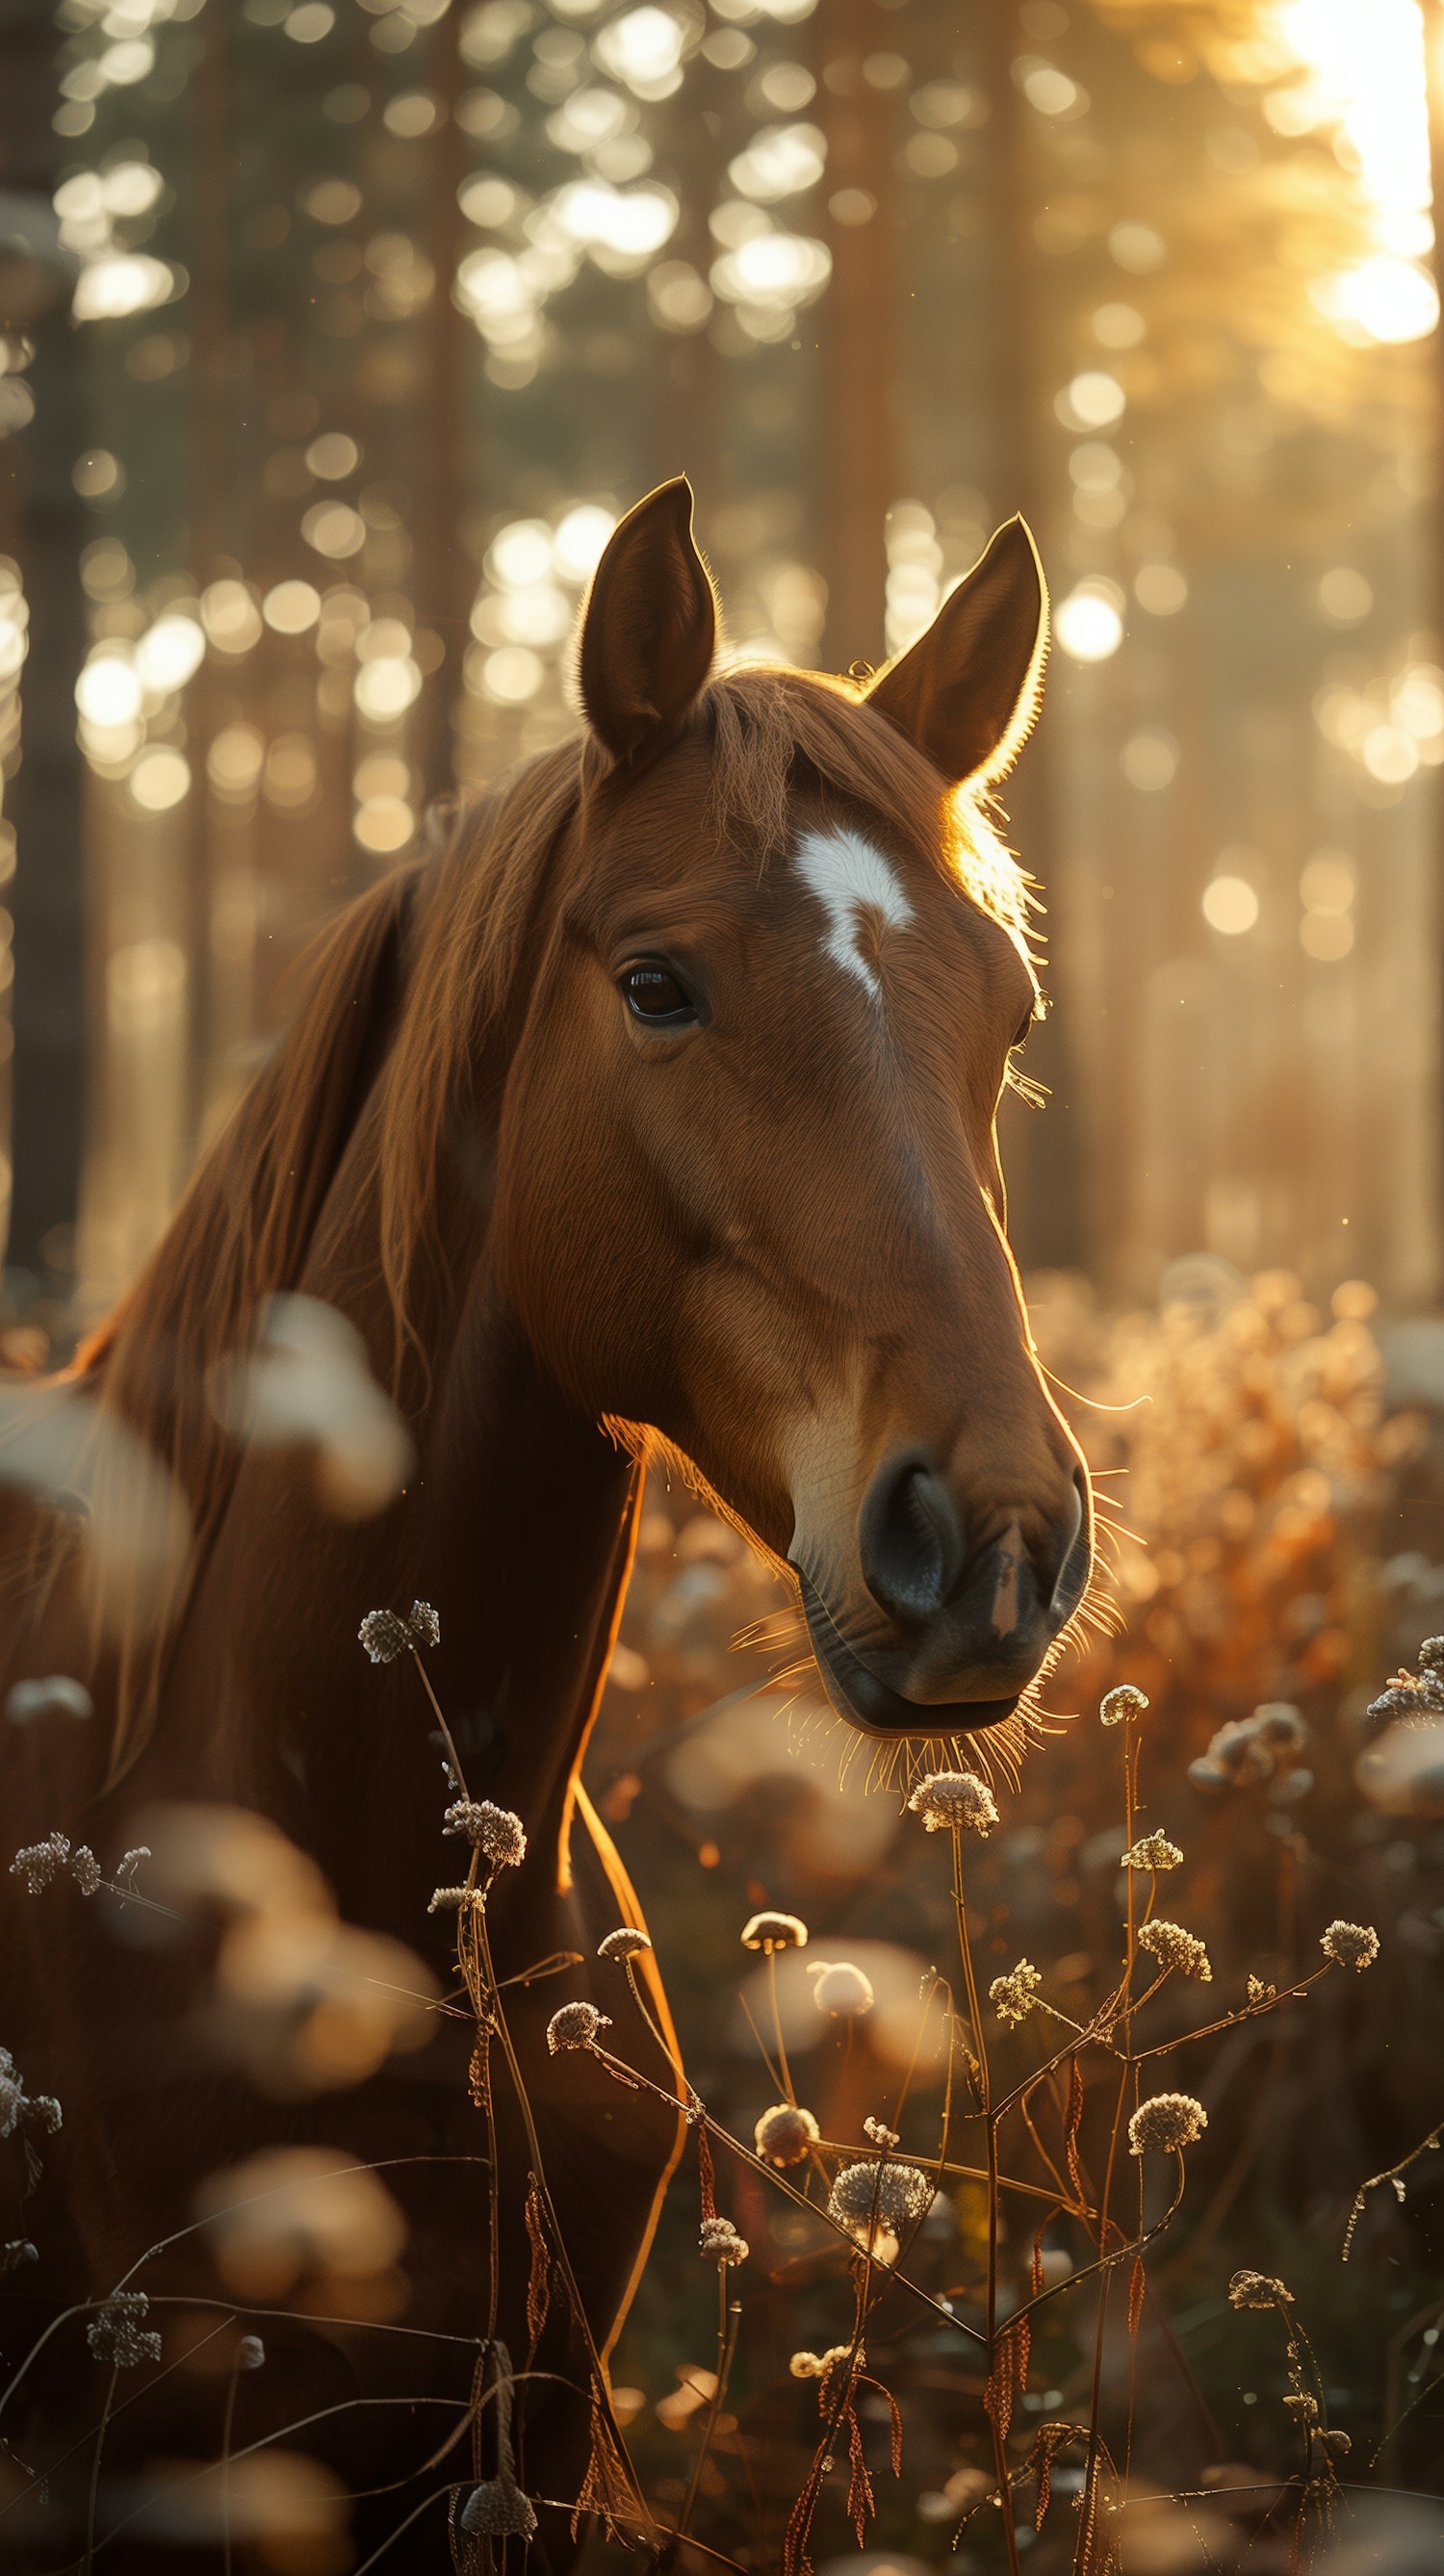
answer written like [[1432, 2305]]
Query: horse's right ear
[[650, 628]]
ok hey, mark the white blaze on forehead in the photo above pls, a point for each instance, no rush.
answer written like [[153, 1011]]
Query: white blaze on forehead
[[849, 877]]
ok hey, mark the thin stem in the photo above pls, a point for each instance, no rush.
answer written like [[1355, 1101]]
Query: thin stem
[[783, 2067], [990, 2131], [226, 2427], [448, 1739], [100, 2430], [729, 2319]]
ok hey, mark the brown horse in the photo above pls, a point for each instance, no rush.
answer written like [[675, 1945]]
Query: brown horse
[[654, 1113]]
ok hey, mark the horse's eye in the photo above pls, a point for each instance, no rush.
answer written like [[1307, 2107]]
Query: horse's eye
[[654, 995]]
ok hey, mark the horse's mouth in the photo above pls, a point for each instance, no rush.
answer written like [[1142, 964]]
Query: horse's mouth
[[871, 1705]]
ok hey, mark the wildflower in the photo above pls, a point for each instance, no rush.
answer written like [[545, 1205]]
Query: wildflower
[[720, 2243], [1277, 1722], [872, 2195], [1153, 1851], [769, 1932], [498, 2510], [1350, 1945], [1014, 1996], [494, 1831], [125, 1868], [575, 2026], [880, 2134], [424, 1624], [1303, 2405], [1258, 2290], [1119, 1705], [1333, 2441], [1258, 1992], [38, 1863], [18, 2251], [56, 1696], [785, 2135], [1166, 2122], [385, 1635], [116, 2333], [947, 1800], [1172, 1947], [1431, 1657], [85, 1870], [816, 2365], [447, 1900], [250, 2353], [841, 1989], [17, 2105], [625, 1943]]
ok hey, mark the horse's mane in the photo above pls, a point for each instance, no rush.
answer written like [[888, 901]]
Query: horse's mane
[[407, 994]]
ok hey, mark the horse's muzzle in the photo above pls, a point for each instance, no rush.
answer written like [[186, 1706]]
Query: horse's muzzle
[[962, 1635]]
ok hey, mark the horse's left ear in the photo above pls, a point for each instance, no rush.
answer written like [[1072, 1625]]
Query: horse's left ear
[[650, 628], [967, 691]]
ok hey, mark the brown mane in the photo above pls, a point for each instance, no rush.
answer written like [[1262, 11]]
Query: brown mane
[[244, 1227]]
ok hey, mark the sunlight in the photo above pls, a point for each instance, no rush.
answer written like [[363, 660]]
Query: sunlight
[[1364, 75]]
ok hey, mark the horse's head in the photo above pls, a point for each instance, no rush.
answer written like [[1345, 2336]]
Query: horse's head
[[748, 1185]]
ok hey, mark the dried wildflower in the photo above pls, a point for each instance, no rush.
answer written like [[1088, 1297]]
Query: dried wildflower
[[1153, 1851], [1302, 2405], [38, 1863], [1258, 1992], [872, 2195], [768, 1931], [841, 1989], [947, 1800], [18, 2251], [1333, 2441], [625, 1943], [720, 2243], [816, 2365], [56, 1696], [1119, 1705], [494, 1831], [17, 2105], [880, 2135], [785, 2135], [1431, 1659], [126, 1868], [385, 1635], [447, 1900], [1258, 2290], [250, 2353], [1350, 1945], [497, 2510], [1278, 1723], [1165, 2122], [116, 2333], [1172, 1947], [575, 2026], [85, 1870], [424, 1624], [1014, 1996]]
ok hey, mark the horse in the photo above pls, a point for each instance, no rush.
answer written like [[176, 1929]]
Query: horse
[[648, 1116]]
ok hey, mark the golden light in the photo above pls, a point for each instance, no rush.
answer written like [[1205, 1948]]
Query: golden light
[[1089, 622], [1364, 74], [1230, 905]]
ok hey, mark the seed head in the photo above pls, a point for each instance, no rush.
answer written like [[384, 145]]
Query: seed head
[[56, 1696], [1172, 1947], [949, 1799], [250, 2353], [424, 1624], [769, 1931], [1259, 1992], [841, 1989], [116, 2332], [38, 1863], [575, 2026], [85, 1870], [880, 2135], [625, 1943], [1258, 2290], [720, 2243], [1014, 1996], [494, 1831], [816, 2365], [498, 2510], [1153, 1851], [448, 1900], [385, 1635], [1165, 2122], [1431, 1655], [19, 2250], [875, 2195], [785, 2135], [1350, 1945], [1122, 1703]]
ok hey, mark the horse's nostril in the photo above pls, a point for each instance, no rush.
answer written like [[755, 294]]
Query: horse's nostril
[[909, 1541], [1070, 1530]]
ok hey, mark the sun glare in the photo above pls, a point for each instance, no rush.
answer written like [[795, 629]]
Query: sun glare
[[1364, 75]]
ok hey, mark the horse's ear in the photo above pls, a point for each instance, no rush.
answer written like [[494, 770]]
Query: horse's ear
[[650, 628], [968, 690]]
